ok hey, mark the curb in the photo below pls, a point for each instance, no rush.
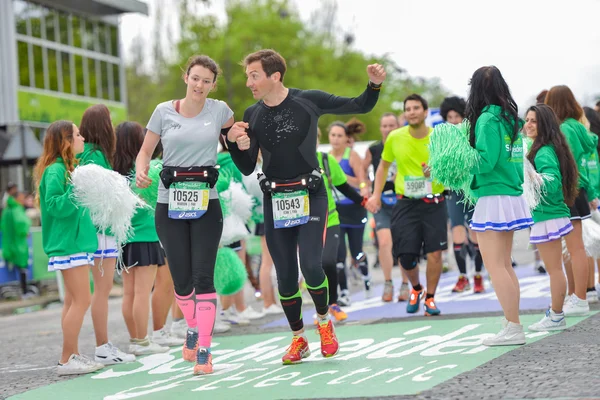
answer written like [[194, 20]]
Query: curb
[[39, 303], [34, 304]]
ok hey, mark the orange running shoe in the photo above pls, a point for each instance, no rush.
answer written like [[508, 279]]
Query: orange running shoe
[[431, 308], [203, 362], [461, 285], [414, 300], [297, 351], [329, 342], [190, 347], [337, 313], [479, 288]]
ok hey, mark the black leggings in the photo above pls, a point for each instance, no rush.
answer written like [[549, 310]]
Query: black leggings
[[355, 242], [306, 240], [191, 246], [332, 240]]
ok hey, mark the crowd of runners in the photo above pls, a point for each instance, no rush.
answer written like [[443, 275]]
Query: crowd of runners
[[312, 208]]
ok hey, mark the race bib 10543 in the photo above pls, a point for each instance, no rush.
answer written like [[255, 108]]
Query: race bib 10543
[[188, 200], [290, 209]]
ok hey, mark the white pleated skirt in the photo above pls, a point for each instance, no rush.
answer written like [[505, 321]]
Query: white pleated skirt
[[501, 213], [547, 231], [58, 263]]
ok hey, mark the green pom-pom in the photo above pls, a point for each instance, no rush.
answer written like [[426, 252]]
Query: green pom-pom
[[150, 194], [230, 272], [451, 157]]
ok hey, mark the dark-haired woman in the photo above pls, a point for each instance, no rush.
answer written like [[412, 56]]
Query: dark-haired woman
[[551, 157], [452, 110], [353, 217], [498, 186], [97, 129], [189, 221], [569, 113], [142, 253]]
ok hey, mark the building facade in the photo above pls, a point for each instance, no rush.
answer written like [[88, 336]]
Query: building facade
[[57, 58]]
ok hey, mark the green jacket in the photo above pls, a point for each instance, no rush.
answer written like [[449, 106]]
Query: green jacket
[[15, 228], [67, 228], [552, 204], [581, 145], [500, 167], [592, 168], [143, 225]]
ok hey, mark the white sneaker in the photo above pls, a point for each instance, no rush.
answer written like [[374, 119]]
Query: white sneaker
[[77, 365], [344, 299], [592, 297], [250, 313], [273, 309], [150, 348], [230, 315], [109, 354], [510, 335], [91, 362], [576, 307], [179, 328], [221, 327], [550, 322], [163, 338]]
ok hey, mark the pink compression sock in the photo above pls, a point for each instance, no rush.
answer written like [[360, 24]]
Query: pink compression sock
[[187, 304], [206, 312]]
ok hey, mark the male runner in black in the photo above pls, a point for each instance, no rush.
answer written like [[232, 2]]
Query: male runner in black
[[283, 125]]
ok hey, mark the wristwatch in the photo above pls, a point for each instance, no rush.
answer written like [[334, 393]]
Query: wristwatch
[[375, 85]]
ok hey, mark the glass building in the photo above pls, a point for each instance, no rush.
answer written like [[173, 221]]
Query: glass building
[[57, 57]]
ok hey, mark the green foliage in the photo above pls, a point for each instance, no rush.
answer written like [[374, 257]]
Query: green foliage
[[316, 59]]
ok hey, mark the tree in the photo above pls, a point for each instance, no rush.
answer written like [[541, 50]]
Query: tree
[[316, 59]]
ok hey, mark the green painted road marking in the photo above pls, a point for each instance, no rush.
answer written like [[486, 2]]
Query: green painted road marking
[[375, 360]]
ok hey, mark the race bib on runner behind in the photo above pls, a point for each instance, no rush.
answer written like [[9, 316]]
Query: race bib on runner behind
[[188, 200], [290, 209], [416, 186]]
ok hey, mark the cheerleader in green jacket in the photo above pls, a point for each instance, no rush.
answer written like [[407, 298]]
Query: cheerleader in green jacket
[[68, 237], [97, 129], [569, 113], [552, 159], [497, 184], [142, 254]]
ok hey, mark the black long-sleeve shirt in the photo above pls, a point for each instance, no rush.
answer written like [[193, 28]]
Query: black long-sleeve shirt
[[287, 133]]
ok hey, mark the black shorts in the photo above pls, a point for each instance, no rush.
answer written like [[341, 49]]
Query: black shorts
[[142, 254], [418, 227], [460, 213], [581, 208]]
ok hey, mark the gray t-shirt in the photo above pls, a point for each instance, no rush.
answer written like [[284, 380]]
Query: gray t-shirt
[[189, 142]]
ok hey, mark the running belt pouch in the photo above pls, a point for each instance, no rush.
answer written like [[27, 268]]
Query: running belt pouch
[[189, 174], [313, 183]]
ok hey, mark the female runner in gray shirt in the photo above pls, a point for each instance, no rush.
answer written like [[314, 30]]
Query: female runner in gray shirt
[[189, 221]]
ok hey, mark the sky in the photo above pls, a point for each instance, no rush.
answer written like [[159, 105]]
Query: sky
[[536, 44]]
